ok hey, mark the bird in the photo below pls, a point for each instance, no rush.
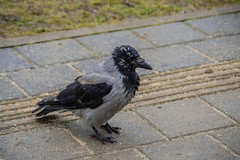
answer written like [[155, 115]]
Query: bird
[[101, 92]]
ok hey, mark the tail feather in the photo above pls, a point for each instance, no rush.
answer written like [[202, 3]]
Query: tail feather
[[39, 108], [48, 101], [48, 105], [48, 109]]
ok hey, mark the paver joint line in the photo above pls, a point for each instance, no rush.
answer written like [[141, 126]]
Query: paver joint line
[[201, 53], [83, 144], [25, 57], [219, 111], [223, 145], [153, 126]]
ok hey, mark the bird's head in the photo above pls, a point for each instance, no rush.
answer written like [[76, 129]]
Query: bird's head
[[127, 58]]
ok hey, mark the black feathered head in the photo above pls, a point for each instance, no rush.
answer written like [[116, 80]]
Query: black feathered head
[[128, 59]]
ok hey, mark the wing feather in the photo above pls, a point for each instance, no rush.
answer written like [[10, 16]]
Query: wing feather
[[76, 96]]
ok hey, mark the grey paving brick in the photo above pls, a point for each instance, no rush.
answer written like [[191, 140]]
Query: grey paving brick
[[184, 117], [8, 90], [104, 44], [55, 51], [134, 132], [172, 57], [219, 25], [132, 154], [230, 137], [11, 61], [169, 33], [227, 102], [195, 147], [85, 65], [40, 143], [221, 49], [46, 79]]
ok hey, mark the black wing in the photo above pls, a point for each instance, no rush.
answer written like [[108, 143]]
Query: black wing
[[75, 96], [83, 96]]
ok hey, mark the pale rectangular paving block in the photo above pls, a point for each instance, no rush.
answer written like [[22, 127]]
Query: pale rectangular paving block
[[46, 79], [104, 44], [227, 102], [84, 66], [169, 33], [230, 137], [55, 51], [221, 49], [172, 57], [192, 148], [40, 143], [219, 25], [131, 154], [184, 117], [8, 90], [133, 132], [10, 60]]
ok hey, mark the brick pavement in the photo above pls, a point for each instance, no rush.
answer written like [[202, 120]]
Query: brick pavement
[[186, 108]]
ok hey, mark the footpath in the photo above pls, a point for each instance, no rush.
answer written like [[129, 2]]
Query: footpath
[[188, 107]]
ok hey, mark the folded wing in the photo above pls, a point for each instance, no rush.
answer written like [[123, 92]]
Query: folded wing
[[77, 95]]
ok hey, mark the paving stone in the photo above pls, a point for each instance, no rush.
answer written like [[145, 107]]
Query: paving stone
[[40, 143], [11, 61], [55, 51], [104, 44], [134, 132], [230, 137], [221, 49], [132, 154], [169, 33], [85, 65], [194, 147], [8, 90], [184, 117], [172, 57], [46, 79], [227, 102], [219, 25]]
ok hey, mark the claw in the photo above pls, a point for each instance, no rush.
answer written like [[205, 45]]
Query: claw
[[110, 129], [102, 138]]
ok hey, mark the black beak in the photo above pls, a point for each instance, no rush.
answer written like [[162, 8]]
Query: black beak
[[140, 63]]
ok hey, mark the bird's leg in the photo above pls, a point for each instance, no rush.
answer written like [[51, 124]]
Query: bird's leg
[[110, 129], [101, 137]]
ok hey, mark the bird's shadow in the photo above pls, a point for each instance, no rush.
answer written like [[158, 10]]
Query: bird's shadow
[[49, 119]]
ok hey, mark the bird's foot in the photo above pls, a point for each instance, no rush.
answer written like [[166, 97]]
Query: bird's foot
[[101, 137], [110, 129]]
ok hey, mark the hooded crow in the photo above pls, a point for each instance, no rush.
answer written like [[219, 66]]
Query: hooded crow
[[103, 91]]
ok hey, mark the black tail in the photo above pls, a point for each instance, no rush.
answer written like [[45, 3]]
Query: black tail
[[48, 105]]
